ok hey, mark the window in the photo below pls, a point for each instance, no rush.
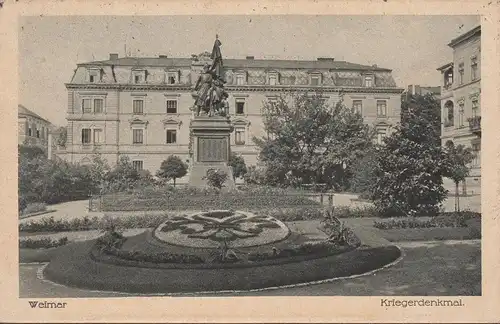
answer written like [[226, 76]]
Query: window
[[98, 105], [476, 149], [475, 108], [138, 106], [137, 165], [92, 78], [461, 73], [448, 78], [473, 69], [137, 136], [239, 136], [448, 106], [42, 134], [86, 106], [98, 139], [381, 108], [138, 78], [171, 136], [171, 78], [461, 111], [29, 131], [272, 79], [381, 134], [357, 106], [37, 133], [240, 79], [171, 106], [315, 80], [240, 106], [368, 81], [86, 136]]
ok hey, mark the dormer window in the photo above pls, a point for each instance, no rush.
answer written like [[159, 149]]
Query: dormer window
[[273, 78], [368, 81], [139, 76], [172, 77], [315, 79], [241, 78], [94, 75]]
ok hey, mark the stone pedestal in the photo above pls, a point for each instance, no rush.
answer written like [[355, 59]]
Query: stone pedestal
[[211, 149]]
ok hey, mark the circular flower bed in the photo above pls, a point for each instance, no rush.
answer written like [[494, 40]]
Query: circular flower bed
[[210, 229]]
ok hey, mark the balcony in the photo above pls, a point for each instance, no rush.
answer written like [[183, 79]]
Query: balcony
[[475, 125]]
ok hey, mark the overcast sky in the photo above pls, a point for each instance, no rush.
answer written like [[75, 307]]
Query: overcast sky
[[50, 47]]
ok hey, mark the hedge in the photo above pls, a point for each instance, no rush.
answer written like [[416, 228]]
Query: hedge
[[451, 219]]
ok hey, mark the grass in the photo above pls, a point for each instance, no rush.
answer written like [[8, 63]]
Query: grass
[[451, 219], [73, 266]]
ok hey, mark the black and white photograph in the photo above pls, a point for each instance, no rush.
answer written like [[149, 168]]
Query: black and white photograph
[[250, 155]]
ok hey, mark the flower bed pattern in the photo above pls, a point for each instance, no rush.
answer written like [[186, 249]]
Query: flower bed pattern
[[209, 229]]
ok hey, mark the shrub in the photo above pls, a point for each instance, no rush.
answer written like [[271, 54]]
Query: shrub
[[44, 243], [34, 208], [172, 168], [295, 214], [216, 178], [163, 257], [238, 165], [355, 212]]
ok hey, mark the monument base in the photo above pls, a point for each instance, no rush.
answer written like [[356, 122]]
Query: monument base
[[211, 149]]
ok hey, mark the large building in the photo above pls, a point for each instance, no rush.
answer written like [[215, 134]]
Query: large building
[[32, 129], [141, 107], [461, 97]]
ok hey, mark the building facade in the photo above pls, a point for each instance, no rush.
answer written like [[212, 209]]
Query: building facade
[[142, 107], [461, 97], [32, 129], [415, 89]]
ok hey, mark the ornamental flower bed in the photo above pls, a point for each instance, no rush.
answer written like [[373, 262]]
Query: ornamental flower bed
[[452, 220], [187, 199]]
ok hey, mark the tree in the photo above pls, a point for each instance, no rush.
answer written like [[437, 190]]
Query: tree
[[172, 168], [364, 174], [458, 159], [410, 164], [123, 176], [309, 141], [238, 165], [62, 135], [99, 171]]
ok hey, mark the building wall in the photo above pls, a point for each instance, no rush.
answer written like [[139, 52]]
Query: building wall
[[117, 121], [39, 129], [463, 94]]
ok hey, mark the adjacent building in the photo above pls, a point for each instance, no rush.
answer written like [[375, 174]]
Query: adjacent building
[[415, 89], [142, 107], [32, 129], [461, 96]]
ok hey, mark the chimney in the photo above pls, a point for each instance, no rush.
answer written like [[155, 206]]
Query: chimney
[[250, 57], [163, 56], [113, 57], [331, 59]]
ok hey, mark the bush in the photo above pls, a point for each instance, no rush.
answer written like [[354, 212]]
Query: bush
[[355, 212], [44, 243], [237, 163], [216, 178], [34, 208], [172, 168], [49, 224], [295, 214]]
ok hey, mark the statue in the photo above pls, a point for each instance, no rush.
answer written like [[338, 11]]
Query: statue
[[211, 98]]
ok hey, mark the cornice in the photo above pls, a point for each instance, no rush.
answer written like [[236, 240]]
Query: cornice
[[247, 88]]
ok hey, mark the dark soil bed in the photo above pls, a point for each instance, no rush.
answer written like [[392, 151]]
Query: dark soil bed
[[37, 255], [73, 266]]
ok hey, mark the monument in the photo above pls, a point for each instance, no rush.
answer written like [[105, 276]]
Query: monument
[[211, 126]]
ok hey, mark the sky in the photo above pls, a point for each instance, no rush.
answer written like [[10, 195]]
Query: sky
[[50, 47]]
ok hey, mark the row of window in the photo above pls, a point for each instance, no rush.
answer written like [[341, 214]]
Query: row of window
[[474, 73], [95, 136], [357, 107], [96, 106], [38, 133], [450, 112]]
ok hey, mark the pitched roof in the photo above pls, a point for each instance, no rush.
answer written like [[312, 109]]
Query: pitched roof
[[25, 111], [240, 63]]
